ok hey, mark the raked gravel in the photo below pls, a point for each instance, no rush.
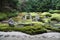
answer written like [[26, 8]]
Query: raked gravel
[[23, 36]]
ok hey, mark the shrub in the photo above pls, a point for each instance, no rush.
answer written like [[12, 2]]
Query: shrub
[[48, 15], [7, 15], [54, 11], [3, 16], [55, 29], [32, 30], [55, 19]]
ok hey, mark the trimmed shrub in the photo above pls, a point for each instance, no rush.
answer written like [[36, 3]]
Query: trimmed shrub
[[32, 30], [3, 16]]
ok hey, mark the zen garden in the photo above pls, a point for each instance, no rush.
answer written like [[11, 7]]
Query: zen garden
[[30, 17], [32, 23]]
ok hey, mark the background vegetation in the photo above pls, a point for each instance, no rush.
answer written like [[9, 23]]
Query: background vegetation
[[11, 8]]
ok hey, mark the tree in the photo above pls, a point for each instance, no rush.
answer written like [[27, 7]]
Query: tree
[[9, 7], [40, 5], [36, 5]]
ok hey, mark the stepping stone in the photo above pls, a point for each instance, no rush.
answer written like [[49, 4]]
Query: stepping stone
[[1, 35], [13, 35], [6, 35]]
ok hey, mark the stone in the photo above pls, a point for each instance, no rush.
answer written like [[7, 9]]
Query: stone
[[1, 35], [11, 22], [6, 36]]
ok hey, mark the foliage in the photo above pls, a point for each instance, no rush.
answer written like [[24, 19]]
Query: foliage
[[54, 11], [32, 30], [3, 16], [35, 6], [9, 5], [56, 17], [29, 5], [40, 5], [8, 8]]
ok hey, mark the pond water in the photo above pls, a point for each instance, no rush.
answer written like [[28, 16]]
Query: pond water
[[23, 36]]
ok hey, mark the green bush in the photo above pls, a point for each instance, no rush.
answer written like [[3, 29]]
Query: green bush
[[48, 15], [53, 29], [12, 14], [32, 30], [3, 16], [54, 11], [55, 19], [7, 15]]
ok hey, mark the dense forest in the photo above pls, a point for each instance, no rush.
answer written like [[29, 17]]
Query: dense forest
[[40, 5], [29, 5]]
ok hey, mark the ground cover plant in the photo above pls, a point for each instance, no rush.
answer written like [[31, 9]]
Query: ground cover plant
[[38, 27], [32, 30]]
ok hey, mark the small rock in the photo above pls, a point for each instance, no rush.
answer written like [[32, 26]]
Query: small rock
[[6, 36], [1, 35]]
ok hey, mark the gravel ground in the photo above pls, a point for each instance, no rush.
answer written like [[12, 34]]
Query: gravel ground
[[23, 36]]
